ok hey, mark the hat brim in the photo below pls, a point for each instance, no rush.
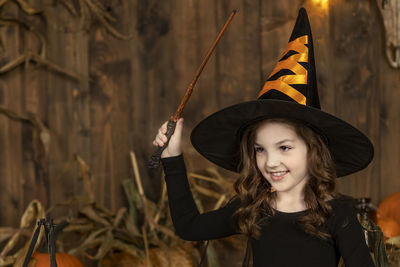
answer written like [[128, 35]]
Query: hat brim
[[217, 137]]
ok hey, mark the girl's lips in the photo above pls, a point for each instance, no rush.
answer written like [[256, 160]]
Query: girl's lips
[[277, 176]]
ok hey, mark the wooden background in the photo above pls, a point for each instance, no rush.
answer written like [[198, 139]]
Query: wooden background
[[101, 96]]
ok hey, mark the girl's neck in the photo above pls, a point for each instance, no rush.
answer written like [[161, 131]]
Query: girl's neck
[[289, 202]]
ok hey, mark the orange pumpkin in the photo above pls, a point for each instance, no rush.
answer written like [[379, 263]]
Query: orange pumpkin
[[390, 207], [183, 255], [389, 226], [63, 260]]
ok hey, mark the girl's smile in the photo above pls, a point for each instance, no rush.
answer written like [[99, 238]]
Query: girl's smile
[[276, 176], [281, 157]]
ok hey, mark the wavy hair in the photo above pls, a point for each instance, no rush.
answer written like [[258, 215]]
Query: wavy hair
[[255, 191]]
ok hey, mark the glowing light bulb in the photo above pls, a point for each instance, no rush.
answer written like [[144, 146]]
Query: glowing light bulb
[[322, 3]]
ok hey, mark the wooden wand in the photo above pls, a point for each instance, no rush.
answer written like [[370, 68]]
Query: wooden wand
[[155, 158]]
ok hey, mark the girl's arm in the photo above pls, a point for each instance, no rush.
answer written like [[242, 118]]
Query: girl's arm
[[188, 222]]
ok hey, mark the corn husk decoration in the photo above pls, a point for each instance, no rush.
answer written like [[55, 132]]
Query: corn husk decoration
[[140, 234], [393, 251], [32, 214]]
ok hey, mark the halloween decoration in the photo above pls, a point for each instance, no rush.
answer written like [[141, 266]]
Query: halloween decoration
[[177, 256], [375, 241], [393, 251], [32, 213], [51, 230], [366, 208], [390, 11], [62, 259], [141, 233], [390, 207], [389, 226]]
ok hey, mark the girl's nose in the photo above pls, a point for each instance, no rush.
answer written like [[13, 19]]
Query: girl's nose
[[272, 161]]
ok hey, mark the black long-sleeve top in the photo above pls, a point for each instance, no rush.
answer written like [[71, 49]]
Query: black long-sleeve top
[[282, 241]]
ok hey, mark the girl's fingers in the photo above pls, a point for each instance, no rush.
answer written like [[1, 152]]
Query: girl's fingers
[[162, 132], [159, 141], [162, 137]]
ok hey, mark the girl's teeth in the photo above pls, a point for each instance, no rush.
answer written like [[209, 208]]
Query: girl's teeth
[[278, 173]]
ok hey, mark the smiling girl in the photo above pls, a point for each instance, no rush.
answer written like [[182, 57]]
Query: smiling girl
[[288, 153]]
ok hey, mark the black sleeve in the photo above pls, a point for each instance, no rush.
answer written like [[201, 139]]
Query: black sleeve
[[188, 222], [349, 236]]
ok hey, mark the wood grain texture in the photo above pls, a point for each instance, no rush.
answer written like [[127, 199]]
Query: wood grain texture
[[11, 197], [357, 85], [135, 85]]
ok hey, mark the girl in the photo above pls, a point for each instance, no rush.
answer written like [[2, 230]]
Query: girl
[[288, 153]]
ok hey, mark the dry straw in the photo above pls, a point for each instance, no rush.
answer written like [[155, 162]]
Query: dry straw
[[140, 234]]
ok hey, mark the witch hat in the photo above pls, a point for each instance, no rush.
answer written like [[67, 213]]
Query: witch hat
[[290, 92]]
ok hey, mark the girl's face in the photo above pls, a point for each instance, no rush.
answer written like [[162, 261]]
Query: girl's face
[[281, 157]]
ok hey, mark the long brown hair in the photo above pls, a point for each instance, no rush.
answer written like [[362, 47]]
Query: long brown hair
[[254, 190]]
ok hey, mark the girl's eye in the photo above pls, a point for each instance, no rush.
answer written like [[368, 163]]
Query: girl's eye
[[258, 149], [285, 148]]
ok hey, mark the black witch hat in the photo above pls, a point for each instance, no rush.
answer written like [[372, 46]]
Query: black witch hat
[[289, 92]]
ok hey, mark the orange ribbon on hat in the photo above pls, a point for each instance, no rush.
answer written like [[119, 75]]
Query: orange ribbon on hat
[[283, 83]]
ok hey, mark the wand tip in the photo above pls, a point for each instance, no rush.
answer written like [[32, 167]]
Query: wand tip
[[234, 11]]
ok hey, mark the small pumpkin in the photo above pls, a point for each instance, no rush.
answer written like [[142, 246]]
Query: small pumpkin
[[390, 207], [62, 259], [389, 226], [184, 255]]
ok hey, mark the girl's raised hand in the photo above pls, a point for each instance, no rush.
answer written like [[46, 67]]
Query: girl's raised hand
[[174, 147]]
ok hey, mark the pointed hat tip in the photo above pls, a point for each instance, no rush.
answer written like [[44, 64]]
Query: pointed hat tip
[[302, 10]]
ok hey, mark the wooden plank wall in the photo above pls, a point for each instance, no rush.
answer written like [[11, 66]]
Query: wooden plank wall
[[127, 88]]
